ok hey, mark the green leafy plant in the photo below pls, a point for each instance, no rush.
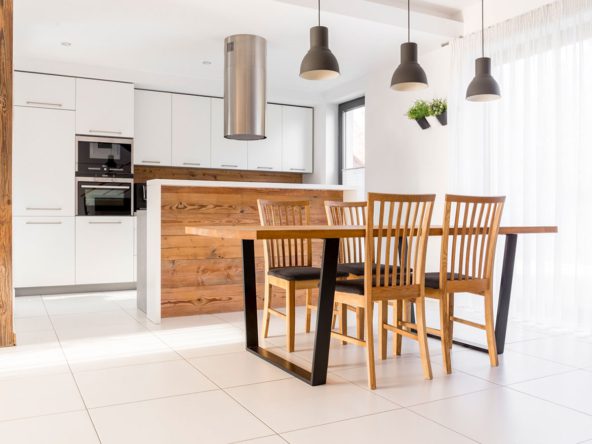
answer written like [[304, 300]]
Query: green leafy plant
[[438, 106], [420, 109]]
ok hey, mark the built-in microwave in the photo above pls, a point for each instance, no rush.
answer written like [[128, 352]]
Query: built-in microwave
[[104, 197], [104, 157]]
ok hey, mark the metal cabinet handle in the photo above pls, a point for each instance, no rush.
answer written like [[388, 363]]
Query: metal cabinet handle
[[44, 223], [104, 131], [150, 161], [264, 168], [114, 222], [106, 187], [43, 209], [29, 102], [192, 163], [297, 169], [228, 166]]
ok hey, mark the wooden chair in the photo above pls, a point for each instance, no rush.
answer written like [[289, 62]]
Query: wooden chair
[[403, 223], [288, 264], [470, 230]]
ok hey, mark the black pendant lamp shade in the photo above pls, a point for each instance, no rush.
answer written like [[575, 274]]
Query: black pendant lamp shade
[[409, 75], [319, 63], [483, 87]]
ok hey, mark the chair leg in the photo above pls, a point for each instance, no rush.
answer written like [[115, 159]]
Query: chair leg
[[450, 316], [370, 346], [360, 323], [489, 328], [382, 332], [397, 338], [335, 311], [343, 321], [290, 317], [422, 337], [308, 308], [445, 332], [266, 305]]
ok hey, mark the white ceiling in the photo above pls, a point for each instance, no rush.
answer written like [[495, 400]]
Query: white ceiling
[[161, 44]]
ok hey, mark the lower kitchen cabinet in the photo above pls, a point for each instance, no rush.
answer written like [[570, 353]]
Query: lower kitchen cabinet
[[44, 252], [104, 250]]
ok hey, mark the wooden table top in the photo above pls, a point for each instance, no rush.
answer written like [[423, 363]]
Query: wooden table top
[[257, 232]]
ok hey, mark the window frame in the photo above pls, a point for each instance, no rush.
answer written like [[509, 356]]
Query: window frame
[[341, 110]]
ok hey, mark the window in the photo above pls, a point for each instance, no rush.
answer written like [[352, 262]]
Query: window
[[352, 135]]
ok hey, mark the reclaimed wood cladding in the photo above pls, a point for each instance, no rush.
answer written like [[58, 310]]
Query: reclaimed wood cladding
[[144, 173], [204, 275]]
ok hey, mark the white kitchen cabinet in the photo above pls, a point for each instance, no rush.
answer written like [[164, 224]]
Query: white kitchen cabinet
[[226, 153], [44, 91], [152, 143], [266, 154], [104, 108], [297, 151], [191, 138], [104, 250], [43, 164], [44, 253]]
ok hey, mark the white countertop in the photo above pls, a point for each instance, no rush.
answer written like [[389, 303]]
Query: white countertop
[[221, 184]]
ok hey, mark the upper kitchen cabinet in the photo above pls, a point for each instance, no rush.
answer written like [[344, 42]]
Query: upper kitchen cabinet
[[44, 91], [152, 144], [191, 138], [226, 153], [298, 139], [266, 154], [43, 162], [104, 108]]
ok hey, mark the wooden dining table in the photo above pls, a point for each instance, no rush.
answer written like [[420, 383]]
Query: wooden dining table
[[331, 236]]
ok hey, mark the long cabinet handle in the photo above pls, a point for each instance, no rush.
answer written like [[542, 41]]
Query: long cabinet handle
[[297, 169], [104, 131], [228, 166], [106, 187], [43, 209], [192, 163], [44, 222], [264, 168], [114, 222], [150, 161], [30, 102]]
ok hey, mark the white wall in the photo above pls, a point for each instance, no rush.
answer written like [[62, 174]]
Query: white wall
[[325, 146], [497, 11]]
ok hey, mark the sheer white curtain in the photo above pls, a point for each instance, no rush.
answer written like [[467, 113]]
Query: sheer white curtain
[[535, 147]]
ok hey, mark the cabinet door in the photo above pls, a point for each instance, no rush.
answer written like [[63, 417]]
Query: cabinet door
[[266, 154], [104, 108], [44, 91], [104, 250], [43, 251], [152, 144], [191, 131], [226, 153], [298, 139], [43, 164]]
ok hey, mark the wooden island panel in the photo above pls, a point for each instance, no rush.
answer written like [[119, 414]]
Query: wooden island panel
[[203, 275]]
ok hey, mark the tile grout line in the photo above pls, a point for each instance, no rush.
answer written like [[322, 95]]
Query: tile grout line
[[442, 425], [548, 401]]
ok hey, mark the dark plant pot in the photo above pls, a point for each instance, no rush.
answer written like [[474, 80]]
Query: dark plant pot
[[443, 118], [423, 123]]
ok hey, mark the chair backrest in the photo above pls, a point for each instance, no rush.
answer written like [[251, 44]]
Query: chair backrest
[[286, 252], [351, 250], [403, 224], [470, 229]]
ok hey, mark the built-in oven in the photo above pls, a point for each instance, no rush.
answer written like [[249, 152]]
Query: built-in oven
[[104, 157], [104, 197]]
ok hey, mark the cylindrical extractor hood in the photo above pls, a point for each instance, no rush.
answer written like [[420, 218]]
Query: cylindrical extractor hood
[[245, 87]]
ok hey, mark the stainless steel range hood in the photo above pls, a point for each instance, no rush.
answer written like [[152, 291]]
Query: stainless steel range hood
[[245, 87]]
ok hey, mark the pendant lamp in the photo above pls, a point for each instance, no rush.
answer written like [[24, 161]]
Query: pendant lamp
[[483, 87], [319, 63], [409, 75]]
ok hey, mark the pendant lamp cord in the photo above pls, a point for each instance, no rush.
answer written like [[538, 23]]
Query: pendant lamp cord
[[482, 28], [408, 20], [319, 12]]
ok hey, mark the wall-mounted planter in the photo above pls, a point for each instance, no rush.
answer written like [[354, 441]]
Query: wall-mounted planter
[[443, 118], [423, 123]]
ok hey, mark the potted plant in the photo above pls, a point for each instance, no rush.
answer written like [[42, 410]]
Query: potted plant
[[418, 112], [439, 109]]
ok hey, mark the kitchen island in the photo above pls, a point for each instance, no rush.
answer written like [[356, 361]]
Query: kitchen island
[[181, 275]]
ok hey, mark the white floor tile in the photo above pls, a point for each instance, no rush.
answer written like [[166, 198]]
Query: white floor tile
[[394, 426], [513, 366], [565, 350], [38, 395], [291, 404], [504, 416], [210, 417], [222, 369], [79, 303], [567, 389], [62, 428], [32, 324], [140, 382], [401, 380], [96, 330], [275, 439], [29, 306]]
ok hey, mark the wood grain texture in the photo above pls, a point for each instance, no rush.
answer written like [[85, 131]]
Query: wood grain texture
[[144, 173], [7, 336], [204, 275]]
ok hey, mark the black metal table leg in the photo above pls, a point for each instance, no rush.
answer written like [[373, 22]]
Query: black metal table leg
[[503, 304], [250, 294], [320, 361]]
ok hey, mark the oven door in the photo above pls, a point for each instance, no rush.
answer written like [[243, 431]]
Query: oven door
[[104, 198], [103, 156]]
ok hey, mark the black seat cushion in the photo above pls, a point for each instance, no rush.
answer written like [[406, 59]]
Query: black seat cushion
[[357, 268], [300, 273], [432, 280], [354, 286]]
